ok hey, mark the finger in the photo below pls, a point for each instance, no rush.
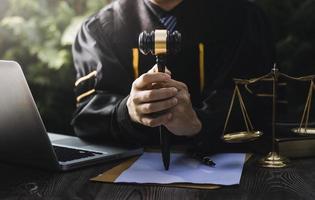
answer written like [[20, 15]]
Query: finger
[[173, 83], [155, 95], [183, 95], [168, 71], [147, 79], [153, 107], [156, 121], [155, 69]]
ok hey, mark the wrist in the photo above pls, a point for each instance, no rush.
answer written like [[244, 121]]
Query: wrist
[[196, 127], [130, 109]]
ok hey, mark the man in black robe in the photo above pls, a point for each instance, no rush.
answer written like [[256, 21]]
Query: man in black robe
[[221, 39]]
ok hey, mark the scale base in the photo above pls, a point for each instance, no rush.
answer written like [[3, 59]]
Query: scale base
[[243, 136], [273, 160], [304, 131]]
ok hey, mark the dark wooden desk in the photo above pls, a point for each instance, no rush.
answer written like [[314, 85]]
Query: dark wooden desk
[[294, 182]]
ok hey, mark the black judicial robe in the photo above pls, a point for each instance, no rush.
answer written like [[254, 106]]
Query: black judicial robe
[[222, 39]]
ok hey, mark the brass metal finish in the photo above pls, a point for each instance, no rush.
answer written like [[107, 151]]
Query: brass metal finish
[[273, 160], [160, 42], [243, 136], [304, 131], [303, 128]]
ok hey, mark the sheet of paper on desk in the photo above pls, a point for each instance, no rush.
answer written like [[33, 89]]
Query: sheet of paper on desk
[[183, 169]]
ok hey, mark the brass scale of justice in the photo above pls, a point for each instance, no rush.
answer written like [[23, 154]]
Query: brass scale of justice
[[273, 159]]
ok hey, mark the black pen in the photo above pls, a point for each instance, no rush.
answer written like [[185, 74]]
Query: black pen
[[208, 161], [203, 159]]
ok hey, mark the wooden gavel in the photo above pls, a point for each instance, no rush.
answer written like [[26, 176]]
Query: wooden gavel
[[161, 43]]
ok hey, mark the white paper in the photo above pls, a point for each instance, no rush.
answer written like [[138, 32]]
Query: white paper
[[183, 169]]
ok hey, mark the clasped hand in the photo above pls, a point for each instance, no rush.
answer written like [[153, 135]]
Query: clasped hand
[[157, 99]]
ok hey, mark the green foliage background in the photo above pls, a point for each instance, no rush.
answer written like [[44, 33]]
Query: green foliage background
[[39, 33]]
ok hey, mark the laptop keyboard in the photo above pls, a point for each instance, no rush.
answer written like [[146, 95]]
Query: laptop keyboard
[[67, 154]]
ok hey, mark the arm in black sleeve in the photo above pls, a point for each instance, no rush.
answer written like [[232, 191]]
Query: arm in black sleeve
[[102, 89]]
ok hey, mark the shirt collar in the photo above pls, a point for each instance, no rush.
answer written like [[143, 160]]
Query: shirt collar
[[159, 12]]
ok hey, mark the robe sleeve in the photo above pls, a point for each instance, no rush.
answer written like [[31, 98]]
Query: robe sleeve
[[102, 88]]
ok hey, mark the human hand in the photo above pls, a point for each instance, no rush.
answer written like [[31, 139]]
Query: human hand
[[148, 104], [155, 69], [184, 120]]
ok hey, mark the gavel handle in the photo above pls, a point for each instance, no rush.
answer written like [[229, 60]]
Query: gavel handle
[[160, 61], [164, 135], [165, 146]]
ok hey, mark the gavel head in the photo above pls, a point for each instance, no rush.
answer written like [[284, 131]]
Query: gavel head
[[159, 42]]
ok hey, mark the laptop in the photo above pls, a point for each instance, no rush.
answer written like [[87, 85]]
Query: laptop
[[23, 137]]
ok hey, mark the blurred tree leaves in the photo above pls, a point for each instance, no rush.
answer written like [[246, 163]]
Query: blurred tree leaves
[[39, 34]]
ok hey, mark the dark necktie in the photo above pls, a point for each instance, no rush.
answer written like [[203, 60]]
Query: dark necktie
[[169, 22]]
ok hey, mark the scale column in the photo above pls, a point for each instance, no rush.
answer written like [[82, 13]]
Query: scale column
[[273, 159]]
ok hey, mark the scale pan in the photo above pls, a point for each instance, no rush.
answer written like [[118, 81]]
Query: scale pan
[[304, 131], [243, 136]]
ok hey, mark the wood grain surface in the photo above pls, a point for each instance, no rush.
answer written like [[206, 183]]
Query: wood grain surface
[[294, 182]]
